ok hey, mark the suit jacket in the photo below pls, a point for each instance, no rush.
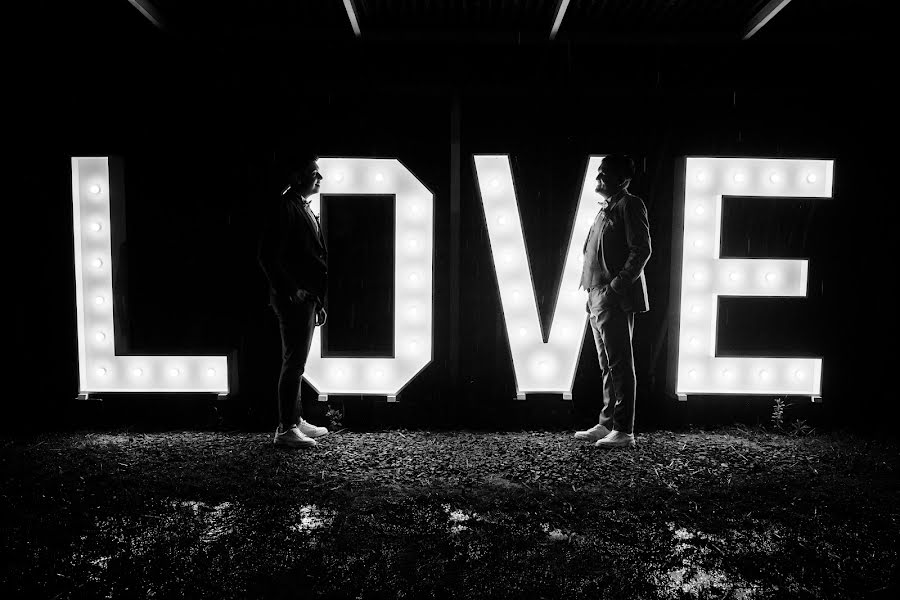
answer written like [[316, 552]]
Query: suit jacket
[[623, 249], [292, 251]]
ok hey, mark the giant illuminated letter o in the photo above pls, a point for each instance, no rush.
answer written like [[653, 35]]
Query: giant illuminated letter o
[[413, 281], [706, 276]]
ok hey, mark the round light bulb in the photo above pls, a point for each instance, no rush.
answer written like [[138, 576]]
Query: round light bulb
[[763, 374], [101, 371], [379, 177], [698, 243], [100, 336], [696, 276], [210, 372], [732, 276], [413, 277], [770, 276], [413, 244], [811, 178], [97, 262], [523, 332], [99, 300], [379, 373], [693, 373], [339, 177], [739, 178], [340, 372], [798, 374], [694, 341], [700, 209], [516, 295], [414, 209], [501, 220], [94, 189], [95, 227], [774, 177], [495, 183], [138, 372], [701, 176], [175, 372], [413, 346], [695, 309], [725, 372]]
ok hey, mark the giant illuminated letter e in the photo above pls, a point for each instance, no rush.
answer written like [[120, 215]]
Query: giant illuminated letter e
[[706, 276]]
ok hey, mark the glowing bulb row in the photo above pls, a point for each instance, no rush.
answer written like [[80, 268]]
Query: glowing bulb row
[[769, 276], [760, 374], [139, 372], [702, 176]]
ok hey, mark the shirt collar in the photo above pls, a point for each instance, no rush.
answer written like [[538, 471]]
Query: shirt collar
[[289, 192], [614, 199]]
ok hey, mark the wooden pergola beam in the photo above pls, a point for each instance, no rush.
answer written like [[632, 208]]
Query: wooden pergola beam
[[764, 15], [352, 14], [149, 10], [557, 20]]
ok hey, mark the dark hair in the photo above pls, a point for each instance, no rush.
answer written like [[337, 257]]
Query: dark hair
[[621, 164], [287, 159]]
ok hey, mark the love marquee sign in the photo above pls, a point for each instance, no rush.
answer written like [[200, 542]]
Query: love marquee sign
[[539, 366]]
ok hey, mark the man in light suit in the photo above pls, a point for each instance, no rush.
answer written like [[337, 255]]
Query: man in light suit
[[293, 256], [615, 252]]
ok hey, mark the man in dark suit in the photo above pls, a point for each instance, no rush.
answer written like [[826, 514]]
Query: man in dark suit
[[615, 252], [293, 256]]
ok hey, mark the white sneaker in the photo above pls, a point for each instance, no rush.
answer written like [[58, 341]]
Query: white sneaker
[[293, 438], [310, 430], [616, 439], [593, 434]]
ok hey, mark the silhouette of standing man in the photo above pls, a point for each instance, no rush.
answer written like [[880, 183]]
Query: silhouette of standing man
[[615, 252], [293, 256]]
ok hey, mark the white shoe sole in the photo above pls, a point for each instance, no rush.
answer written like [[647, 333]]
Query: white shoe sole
[[584, 436], [312, 437], [295, 443], [628, 444]]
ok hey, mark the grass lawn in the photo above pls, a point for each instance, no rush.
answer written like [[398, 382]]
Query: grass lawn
[[726, 513]]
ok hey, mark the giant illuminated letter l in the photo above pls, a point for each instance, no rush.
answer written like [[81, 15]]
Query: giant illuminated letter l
[[99, 368]]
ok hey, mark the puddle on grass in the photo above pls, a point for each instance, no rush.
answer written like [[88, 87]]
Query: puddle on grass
[[556, 534], [217, 520], [695, 577], [457, 517], [312, 518], [462, 520]]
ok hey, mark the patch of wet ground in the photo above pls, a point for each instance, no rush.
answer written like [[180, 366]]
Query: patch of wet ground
[[729, 514]]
